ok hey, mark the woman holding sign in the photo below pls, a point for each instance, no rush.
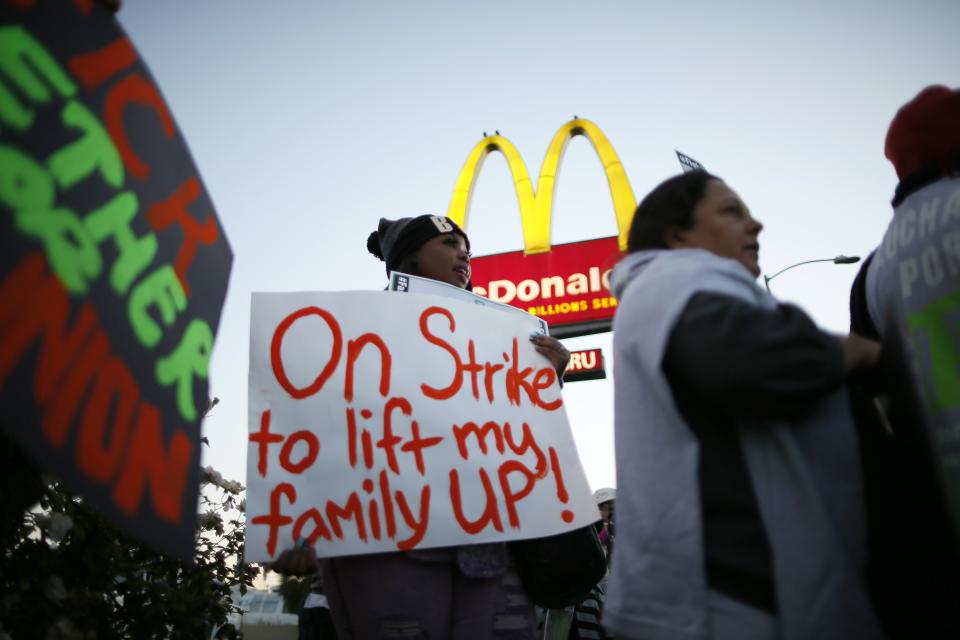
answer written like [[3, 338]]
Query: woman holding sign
[[462, 592], [740, 512]]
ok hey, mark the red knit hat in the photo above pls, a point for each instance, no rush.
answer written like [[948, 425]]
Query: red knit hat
[[925, 132]]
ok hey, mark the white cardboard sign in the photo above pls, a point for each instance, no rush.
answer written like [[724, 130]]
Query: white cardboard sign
[[381, 421]]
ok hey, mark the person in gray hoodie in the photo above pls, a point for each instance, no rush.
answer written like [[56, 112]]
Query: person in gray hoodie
[[740, 512], [907, 296]]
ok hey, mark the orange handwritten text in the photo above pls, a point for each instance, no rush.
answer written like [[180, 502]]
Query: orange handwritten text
[[514, 379]]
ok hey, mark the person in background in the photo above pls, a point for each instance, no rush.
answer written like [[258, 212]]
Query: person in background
[[907, 295], [585, 624], [604, 499], [461, 593], [740, 512]]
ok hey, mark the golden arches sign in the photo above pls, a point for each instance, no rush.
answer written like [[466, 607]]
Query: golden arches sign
[[536, 208]]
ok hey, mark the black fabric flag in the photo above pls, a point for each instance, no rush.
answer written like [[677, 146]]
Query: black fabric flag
[[113, 272], [688, 163]]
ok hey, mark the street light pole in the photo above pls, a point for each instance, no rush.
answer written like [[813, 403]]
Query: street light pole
[[841, 259]]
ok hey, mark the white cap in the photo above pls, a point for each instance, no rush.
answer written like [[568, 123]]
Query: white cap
[[604, 495]]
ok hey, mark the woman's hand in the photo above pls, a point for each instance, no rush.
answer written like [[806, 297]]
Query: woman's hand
[[553, 350], [300, 561], [859, 352]]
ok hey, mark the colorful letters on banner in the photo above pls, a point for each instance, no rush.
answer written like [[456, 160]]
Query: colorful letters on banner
[[113, 271], [382, 421]]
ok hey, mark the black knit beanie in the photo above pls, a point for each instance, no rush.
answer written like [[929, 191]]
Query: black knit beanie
[[394, 240]]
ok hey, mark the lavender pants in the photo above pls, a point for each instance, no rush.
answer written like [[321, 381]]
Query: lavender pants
[[464, 593]]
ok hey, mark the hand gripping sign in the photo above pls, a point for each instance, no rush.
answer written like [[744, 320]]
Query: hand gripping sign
[[564, 284], [382, 421], [113, 271]]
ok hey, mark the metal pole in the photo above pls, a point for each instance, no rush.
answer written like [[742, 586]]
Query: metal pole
[[841, 259]]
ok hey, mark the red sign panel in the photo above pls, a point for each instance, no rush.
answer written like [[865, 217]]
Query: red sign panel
[[569, 286], [585, 365]]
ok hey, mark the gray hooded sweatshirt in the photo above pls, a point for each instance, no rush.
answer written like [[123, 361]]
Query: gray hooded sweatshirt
[[806, 476], [913, 293]]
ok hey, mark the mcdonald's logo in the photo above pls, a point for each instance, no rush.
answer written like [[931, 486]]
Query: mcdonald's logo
[[565, 284], [536, 209]]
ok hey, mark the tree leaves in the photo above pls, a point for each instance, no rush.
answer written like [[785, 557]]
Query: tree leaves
[[67, 572]]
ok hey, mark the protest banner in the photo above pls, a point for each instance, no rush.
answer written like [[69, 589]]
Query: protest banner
[[407, 283], [113, 271], [384, 421]]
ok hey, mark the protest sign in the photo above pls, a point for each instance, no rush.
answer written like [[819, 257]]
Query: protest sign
[[406, 283], [113, 271], [382, 421]]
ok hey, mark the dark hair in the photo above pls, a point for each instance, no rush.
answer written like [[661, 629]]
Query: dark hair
[[670, 204]]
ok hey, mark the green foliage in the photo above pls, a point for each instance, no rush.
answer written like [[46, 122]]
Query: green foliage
[[66, 572]]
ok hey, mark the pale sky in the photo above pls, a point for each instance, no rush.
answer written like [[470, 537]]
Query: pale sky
[[311, 120]]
